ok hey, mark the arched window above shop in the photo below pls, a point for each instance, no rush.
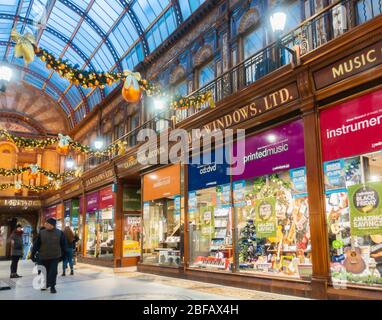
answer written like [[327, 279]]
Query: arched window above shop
[[205, 65], [294, 13], [252, 33], [206, 74]]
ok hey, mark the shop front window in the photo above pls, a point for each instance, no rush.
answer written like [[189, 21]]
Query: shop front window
[[271, 205], [210, 228], [209, 212], [92, 245], [161, 223], [353, 189]]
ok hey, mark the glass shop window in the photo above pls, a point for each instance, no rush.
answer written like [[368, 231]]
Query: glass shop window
[[100, 234], [273, 235], [352, 164], [354, 184], [210, 226], [162, 232]]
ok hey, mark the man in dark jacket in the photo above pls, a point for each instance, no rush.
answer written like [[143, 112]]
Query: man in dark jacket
[[17, 249], [51, 246]]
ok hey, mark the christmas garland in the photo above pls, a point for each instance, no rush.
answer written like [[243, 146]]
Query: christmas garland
[[27, 49], [37, 169], [63, 142], [18, 186]]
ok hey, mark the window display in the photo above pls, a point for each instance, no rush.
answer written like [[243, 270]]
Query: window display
[[3, 240], [353, 189], [106, 222], [162, 223], [209, 215], [271, 205], [132, 236], [92, 225], [162, 233]]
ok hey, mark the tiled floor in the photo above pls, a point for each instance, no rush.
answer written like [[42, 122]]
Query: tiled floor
[[90, 282]]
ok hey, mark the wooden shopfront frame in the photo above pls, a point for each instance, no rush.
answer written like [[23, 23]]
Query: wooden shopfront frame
[[174, 270]]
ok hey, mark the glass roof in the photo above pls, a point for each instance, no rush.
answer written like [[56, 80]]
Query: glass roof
[[98, 35]]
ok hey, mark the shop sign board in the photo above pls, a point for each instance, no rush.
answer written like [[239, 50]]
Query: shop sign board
[[266, 222], [202, 176], [60, 211], [365, 209], [51, 212], [272, 151], [358, 121], [67, 206], [258, 106], [106, 198], [100, 177], [92, 202], [162, 183], [75, 212], [353, 64], [20, 203]]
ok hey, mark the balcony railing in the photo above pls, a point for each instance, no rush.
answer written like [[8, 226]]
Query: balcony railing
[[326, 25]]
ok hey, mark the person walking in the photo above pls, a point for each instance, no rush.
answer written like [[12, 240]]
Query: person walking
[[71, 241], [17, 250], [51, 246]]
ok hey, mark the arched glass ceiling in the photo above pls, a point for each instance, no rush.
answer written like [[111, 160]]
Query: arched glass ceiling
[[94, 34]]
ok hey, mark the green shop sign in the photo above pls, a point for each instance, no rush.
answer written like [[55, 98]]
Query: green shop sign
[[266, 222], [365, 209]]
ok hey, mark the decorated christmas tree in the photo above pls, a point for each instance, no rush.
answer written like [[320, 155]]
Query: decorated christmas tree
[[250, 247]]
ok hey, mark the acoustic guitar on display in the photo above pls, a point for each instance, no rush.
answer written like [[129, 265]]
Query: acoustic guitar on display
[[354, 262]]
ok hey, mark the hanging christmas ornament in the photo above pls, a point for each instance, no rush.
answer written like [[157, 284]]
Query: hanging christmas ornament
[[24, 47], [131, 90], [33, 171], [18, 186], [121, 147], [63, 144]]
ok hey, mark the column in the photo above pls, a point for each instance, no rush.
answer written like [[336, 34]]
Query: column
[[315, 183], [118, 224]]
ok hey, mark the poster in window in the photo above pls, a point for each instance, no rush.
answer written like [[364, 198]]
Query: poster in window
[[131, 242], [365, 209], [299, 186], [266, 223], [334, 172]]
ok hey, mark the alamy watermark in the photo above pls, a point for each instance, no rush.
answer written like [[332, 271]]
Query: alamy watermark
[[195, 147]]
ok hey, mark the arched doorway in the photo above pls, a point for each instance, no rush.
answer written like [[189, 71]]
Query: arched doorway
[[8, 222]]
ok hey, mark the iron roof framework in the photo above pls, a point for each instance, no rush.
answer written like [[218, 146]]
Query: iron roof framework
[[97, 35]]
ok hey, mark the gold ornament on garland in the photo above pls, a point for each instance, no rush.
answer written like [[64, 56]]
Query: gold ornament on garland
[[24, 47], [131, 90]]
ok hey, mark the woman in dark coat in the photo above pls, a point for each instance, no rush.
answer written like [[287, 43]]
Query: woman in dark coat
[[17, 249]]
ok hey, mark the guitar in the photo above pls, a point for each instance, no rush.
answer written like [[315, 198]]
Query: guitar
[[354, 262]]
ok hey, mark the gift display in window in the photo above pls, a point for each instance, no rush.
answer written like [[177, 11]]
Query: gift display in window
[[273, 226]]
